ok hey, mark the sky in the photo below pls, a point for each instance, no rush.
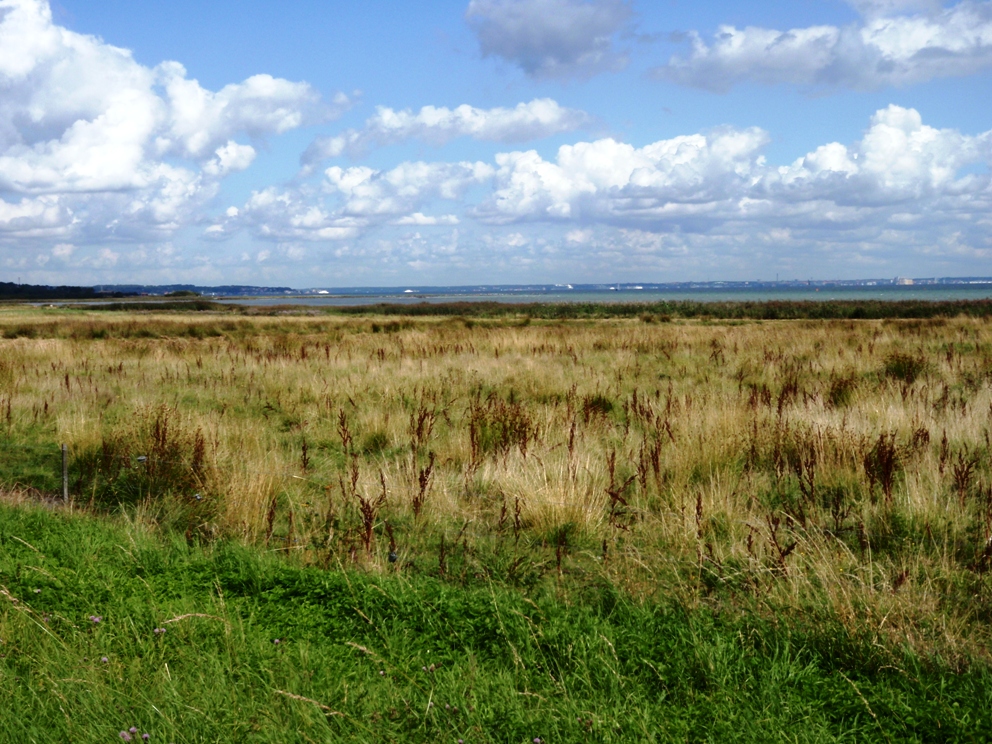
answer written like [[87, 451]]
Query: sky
[[329, 144]]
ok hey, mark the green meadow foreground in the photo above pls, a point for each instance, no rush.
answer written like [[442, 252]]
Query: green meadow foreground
[[494, 529]]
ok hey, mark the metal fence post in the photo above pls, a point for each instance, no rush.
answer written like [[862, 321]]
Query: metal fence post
[[65, 474]]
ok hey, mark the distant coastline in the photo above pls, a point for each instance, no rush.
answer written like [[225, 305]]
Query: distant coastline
[[932, 288], [897, 283]]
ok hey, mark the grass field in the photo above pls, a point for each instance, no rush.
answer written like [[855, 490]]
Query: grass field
[[670, 528]]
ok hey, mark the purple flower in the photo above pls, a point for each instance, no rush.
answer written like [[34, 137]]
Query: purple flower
[[158, 631], [96, 619], [125, 735], [133, 729], [104, 659], [146, 737], [277, 641], [45, 618], [538, 740]]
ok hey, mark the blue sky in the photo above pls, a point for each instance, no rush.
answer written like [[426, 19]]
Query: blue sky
[[493, 141]]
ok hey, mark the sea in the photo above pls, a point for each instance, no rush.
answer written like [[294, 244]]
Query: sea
[[374, 296]]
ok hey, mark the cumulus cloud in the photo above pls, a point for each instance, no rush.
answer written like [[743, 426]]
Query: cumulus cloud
[[230, 158], [709, 182], [552, 38], [201, 120], [596, 180], [539, 118], [95, 144], [352, 200], [39, 217], [707, 194], [369, 193], [896, 43]]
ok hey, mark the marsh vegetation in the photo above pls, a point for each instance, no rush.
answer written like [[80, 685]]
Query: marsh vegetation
[[831, 472]]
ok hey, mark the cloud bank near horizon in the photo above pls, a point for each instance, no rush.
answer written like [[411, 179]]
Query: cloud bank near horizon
[[904, 183]]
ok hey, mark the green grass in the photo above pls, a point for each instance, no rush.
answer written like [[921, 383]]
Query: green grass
[[566, 660], [31, 462]]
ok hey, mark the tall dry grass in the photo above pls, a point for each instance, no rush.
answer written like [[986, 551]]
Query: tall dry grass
[[839, 465]]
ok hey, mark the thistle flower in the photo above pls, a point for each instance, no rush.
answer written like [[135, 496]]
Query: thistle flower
[[125, 735], [104, 660], [96, 619], [158, 631]]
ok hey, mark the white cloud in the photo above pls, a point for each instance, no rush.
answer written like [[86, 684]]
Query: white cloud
[[720, 182], [419, 218], [42, 216], [551, 38], [701, 196], [200, 120], [107, 257], [93, 144], [897, 43], [230, 158], [604, 179], [396, 192], [539, 118], [352, 200]]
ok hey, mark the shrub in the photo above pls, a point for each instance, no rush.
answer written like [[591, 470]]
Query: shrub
[[841, 391], [905, 367]]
